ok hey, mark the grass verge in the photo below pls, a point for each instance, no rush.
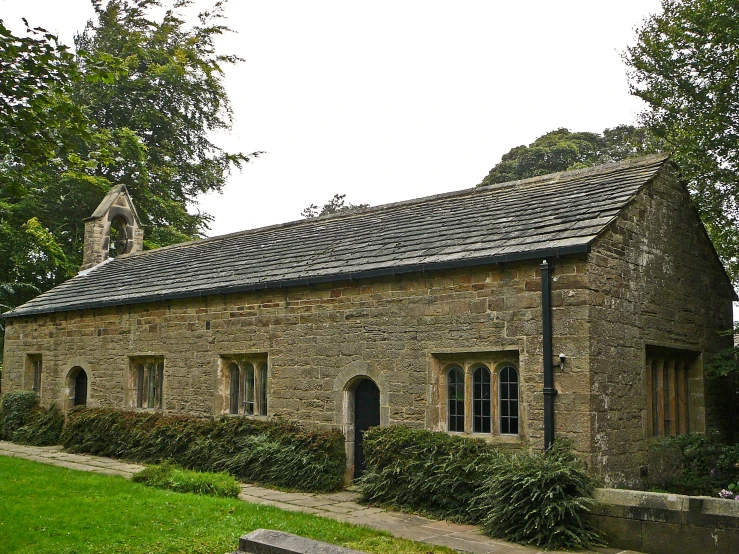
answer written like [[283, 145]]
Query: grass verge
[[51, 509], [170, 477]]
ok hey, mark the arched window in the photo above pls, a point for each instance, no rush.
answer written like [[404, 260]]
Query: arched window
[[248, 389], [481, 407], [263, 389], [234, 395], [455, 399], [508, 386]]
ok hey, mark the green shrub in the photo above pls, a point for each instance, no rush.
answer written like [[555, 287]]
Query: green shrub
[[171, 477], [43, 427], [693, 464], [429, 472], [272, 452], [527, 498], [17, 408], [537, 499]]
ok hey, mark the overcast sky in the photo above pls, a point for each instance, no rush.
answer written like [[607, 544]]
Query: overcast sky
[[391, 100]]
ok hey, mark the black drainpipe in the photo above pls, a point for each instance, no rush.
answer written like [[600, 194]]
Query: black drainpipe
[[546, 319]]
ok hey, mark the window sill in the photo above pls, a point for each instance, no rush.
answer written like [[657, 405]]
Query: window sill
[[488, 437]]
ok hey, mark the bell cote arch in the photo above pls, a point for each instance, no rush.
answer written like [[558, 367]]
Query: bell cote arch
[[113, 230]]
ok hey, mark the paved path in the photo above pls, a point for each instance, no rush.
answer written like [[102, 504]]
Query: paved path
[[340, 506]]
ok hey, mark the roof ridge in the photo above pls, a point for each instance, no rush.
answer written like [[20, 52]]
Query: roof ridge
[[652, 159]]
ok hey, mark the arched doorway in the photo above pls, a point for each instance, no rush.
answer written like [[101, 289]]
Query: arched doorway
[[366, 415], [80, 388], [77, 383]]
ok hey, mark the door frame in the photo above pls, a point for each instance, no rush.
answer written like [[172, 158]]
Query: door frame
[[347, 383]]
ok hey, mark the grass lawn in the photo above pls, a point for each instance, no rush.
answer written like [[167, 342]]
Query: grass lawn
[[50, 509]]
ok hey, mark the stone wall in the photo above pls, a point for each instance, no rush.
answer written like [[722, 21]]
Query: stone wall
[[398, 331], [666, 523], [654, 281]]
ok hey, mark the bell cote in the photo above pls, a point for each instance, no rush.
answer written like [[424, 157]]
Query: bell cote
[[114, 229]]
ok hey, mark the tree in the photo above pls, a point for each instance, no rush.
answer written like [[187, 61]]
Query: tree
[[685, 66], [36, 115], [336, 205], [40, 128], [562, 150], [134, 105], [171, 97]]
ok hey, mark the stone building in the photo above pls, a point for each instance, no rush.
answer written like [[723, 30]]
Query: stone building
[[431, 313]]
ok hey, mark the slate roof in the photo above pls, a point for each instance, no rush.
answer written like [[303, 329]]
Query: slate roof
[[536, 218]]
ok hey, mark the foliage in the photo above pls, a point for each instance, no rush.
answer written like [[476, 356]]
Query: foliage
[[272, 452], [43, 427], [562, 150], [170, 95], [52, 509], [39, 127], [429, 472], [684, 66], [730, 492], [17, 408], [170, 477], [538, 499], [336, 205], [694, 464], [35, 114], [725, 362], [136, 105], [22, 420], [527, 498]]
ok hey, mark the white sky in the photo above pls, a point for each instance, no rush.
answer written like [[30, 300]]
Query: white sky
[[392, 100]]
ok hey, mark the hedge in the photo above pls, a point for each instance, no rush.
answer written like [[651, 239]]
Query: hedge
[[16, 411], [270, 452], [22, 420], [529, 498], [434, 473]]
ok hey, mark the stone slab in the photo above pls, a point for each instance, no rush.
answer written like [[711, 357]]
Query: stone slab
[[265, 541]]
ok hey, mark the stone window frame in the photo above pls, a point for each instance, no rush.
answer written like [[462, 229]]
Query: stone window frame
[[673, 380], [482, 418], [33, 373], [494, 362], [259, 400], [146, 395], [501, 400], [455, 420]]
